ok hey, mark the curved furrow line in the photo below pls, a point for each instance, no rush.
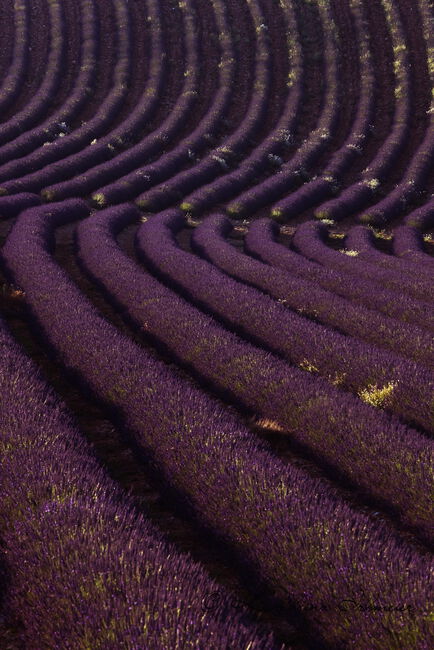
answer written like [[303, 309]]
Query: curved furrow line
[[255, 126], [309, 240], [134, 471], [358, 195], [106, 112], [120, 168], [126, 463], [8, 17], [205, 133], [209, 240], [328, 181], [363, 239], [216, 431], [260, 499], [260, 241], [413, 184], [71, 536], [381, 51], [13, 80], [38, 42], [40, 102], [268, 153], [301, 162], [422, 217], [325, 184], [50, 132], [408, 244], [354, 365], [233, 146], [11, 206], [252, 378], [124, 195], [96, 148], [156, 92]]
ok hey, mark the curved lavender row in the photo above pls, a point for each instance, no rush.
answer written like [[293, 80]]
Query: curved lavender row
[[264, 155], [98, 124], [75, 546], [260, 242], [7, 19], [40, 102], [349, 435], [11, 206], [15, 152], [125, 172], [97, 150], [191, 146], [400, 385], [234, 145], [362, 240], [305, 541], [324, 186], [11, 85], [385, 156], [422, 217], [309, 239], [289, 174], [194, 144], [361, 193], [408, 244], [415, 177], [309, 299]]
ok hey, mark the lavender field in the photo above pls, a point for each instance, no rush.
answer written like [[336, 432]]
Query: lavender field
[[216, 324]]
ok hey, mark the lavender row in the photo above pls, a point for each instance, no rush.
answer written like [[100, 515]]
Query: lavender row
[[408, 245], [422, 217], [82, 136], [128, 170], [260, 242], [416, 175], [97, 150], [191, 147], [77, 551], [303, 539], [234, 145], [326, 184], [11, 85], [376, 375], [11, 206], [289, 174], [52, 131], [307, 298], [310, 240], [268, 153], [362, 240], [352, 437], [39, 104], [386, 155], [360, 194]]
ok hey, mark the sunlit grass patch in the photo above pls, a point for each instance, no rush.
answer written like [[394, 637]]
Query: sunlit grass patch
[[307, 365], [376, 396], [99, 199], [270, 425], [350, 253], [381, 234]]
